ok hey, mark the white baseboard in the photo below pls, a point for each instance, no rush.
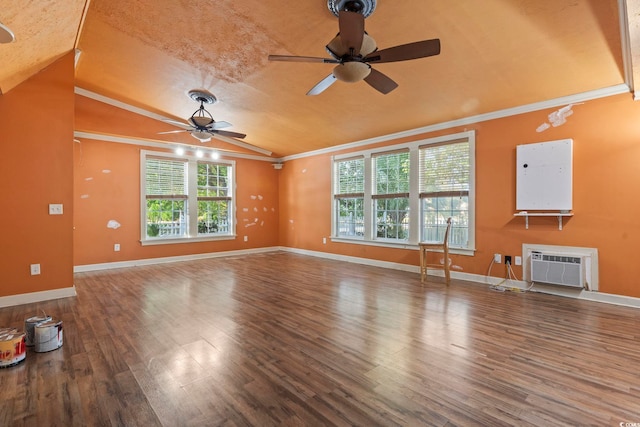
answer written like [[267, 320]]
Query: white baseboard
[[355, 260], [562, 291], [32, 297], [151, 261], [475, 278]]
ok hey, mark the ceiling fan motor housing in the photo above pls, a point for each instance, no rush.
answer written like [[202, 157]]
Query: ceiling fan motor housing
[[365, 7]]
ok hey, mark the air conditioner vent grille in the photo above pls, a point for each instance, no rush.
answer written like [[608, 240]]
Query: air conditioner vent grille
[[557, 269], [560, 258]]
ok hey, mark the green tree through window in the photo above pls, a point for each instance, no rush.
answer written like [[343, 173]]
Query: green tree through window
[[186, 198], [213, 198], [349, 197], [391, 198], [405, 193]]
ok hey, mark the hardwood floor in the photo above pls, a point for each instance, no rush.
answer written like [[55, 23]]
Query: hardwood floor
[[281, 339]]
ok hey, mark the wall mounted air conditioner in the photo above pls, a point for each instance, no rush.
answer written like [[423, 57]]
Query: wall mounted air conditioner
[[557, 269]]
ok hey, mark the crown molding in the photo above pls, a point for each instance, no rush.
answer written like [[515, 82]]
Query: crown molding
[[543, 105]]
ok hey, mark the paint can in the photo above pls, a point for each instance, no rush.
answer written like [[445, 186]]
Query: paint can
[[48, 336], [29, 328], [12, 347]]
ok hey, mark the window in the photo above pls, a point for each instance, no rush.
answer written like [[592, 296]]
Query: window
[[376, 191], [185, 199], [166, 197], [349, 197], [214, 198], [444, 192], [391, 195]]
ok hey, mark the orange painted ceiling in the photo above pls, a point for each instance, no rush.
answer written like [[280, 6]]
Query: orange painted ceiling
[[496, 54]]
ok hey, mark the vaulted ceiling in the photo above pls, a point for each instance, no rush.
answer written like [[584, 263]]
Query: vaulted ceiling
[[148, 54]]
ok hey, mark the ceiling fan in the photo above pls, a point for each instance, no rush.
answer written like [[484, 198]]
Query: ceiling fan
[[353, 50], [201, 124]]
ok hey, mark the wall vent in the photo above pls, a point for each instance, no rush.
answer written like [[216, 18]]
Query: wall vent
[[557, 269], [570, 267]]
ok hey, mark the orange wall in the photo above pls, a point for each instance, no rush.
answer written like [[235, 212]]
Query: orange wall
[[107, 187], [293, 205], [36, 134], [606, 134]]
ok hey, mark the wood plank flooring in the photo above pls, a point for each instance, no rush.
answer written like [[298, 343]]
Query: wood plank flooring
[[281, 339]]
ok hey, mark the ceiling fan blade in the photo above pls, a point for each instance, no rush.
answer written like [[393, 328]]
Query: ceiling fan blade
[[322, 85], [219, 125], [289, 58], [351, 30], [227, 133], [173, 131], [404, 52], [177, 123], [380, 82]]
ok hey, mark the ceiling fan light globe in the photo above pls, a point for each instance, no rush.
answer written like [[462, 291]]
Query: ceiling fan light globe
[[368, 45], [200, 121], [335, 47], [351, 72], [201, 136]]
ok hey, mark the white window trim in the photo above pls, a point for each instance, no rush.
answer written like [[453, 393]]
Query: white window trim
[[192, 171], [414, 194]]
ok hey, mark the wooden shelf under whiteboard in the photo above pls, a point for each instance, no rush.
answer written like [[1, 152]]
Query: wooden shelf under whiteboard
[[526, 216]]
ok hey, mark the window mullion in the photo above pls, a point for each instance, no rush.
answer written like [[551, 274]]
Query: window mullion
[[192, 197], [368, 201], [414, 199]]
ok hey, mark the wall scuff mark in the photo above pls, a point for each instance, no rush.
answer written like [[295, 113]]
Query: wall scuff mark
[[557, 118]]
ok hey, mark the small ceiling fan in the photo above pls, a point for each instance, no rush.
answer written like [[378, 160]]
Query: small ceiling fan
[[353, 50], [201, 124]]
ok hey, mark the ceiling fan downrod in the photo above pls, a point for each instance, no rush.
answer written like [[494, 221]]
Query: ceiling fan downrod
[[201, 118]]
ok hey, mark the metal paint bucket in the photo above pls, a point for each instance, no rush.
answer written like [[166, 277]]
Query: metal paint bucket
[[12, 347], [29, 326], [48, 336]]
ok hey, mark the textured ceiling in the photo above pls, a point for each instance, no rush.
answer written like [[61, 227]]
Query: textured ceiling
[[496, 54]]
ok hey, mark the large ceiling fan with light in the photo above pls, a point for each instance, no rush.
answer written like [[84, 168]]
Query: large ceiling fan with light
[[353, 50]]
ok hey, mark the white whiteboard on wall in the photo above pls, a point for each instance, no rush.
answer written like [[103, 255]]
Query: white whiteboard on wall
[[544, 176]]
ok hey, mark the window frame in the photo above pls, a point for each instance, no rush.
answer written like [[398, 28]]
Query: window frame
[[191, 234], [415, 201], [385, 196], [339, 196], [444, 193]]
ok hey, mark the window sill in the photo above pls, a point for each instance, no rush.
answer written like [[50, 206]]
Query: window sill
[[179, 240], [400, 245]]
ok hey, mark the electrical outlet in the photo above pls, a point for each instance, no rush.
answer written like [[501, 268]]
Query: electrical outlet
[[55, 208], [116, 247], [507, 259], [324, 240], [497, 258], [35, 269], [246, 238], [518, 260]]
